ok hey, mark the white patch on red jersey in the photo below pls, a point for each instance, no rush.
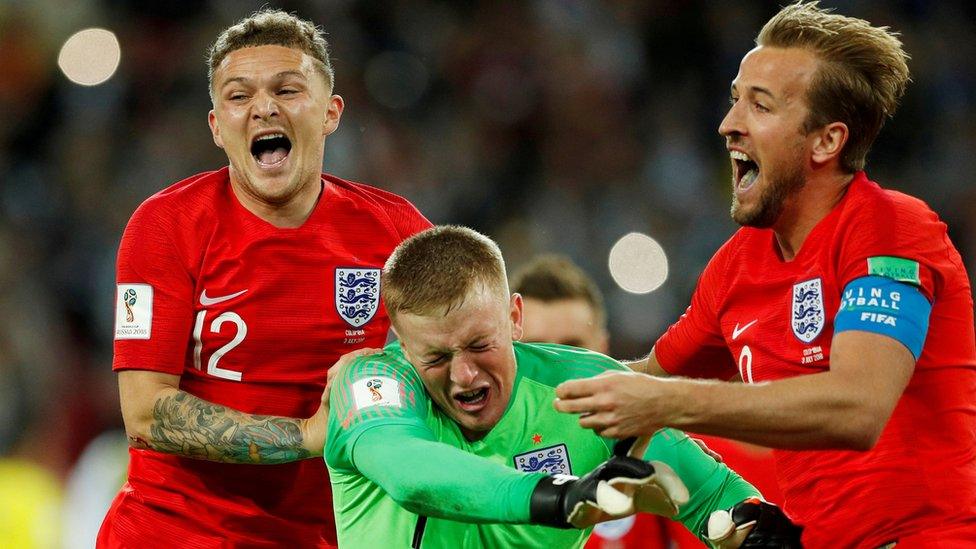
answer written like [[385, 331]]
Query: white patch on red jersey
[[357, 294], [807, 315], [133, 311], [376, 391]]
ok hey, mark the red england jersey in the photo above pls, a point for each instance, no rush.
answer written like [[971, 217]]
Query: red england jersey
[[918, 484], [250, 316]]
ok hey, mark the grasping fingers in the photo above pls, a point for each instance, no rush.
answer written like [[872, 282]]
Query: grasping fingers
[[576, 396], [340, 365], [616, 404]]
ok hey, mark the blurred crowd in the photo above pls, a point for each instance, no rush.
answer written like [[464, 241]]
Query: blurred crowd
[[551, 125]]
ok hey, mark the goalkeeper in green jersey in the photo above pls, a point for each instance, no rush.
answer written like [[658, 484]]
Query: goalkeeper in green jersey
[[450, 439]]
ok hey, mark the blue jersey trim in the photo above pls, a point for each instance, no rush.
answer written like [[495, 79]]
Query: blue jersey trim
[[884, 306]]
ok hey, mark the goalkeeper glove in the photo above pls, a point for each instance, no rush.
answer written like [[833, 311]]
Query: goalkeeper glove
[[617, 488], [752, 524], [666, 494]]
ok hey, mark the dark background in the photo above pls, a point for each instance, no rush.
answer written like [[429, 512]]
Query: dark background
[[551, 125]]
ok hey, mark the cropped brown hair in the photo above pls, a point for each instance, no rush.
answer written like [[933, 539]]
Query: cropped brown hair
[[555, 277], [269, 27], [432, 271], [862, 75]]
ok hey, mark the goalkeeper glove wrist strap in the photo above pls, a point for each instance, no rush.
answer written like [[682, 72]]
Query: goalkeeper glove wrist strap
[[546, 503]]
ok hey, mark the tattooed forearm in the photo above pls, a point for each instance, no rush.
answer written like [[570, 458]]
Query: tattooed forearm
[[186, 425]]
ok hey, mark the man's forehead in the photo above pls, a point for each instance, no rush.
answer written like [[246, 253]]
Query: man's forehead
[[775, 71], [435, 332], [264, 61]]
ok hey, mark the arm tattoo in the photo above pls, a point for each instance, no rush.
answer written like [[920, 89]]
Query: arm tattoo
[[186, 425]]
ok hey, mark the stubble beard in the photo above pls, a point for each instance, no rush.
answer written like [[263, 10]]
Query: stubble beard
[[296, 183], [771, 200]]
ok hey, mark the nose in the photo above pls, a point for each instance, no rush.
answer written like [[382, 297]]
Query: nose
[[732, 123], [264, 107], [463, 371]]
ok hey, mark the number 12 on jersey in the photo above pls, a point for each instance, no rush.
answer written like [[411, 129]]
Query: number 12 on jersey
[[215, 325]]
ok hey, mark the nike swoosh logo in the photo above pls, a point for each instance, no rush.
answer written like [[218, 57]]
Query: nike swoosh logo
[[208, 301], [736, 332]]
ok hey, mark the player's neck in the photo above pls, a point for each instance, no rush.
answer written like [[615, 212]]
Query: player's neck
[[807, 207], [472, 436], [288, 214]]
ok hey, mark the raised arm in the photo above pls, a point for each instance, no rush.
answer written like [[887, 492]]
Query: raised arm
[[160, 416], [845, 407]]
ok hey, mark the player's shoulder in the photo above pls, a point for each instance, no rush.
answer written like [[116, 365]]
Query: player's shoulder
[[390, 363], [366, 194], [745, 242], [550, 363], [874, 221], [395, 211], [193, 197], [870, 203]]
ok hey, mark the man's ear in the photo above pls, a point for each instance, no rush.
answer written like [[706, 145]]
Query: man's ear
[[515, 312], [332, 115], [215, 129], [396, 335], [829, 142]]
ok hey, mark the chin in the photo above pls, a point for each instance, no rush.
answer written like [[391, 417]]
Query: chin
[[277, 189]]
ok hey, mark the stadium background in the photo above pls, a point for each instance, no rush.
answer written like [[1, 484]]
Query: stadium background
[[551, 125]]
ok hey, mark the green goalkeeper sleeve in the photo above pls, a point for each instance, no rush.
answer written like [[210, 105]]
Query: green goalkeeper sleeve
[[711, 485], [433, 479]]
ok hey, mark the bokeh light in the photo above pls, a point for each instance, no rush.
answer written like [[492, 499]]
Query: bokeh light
[[638, 263], [90, 56]]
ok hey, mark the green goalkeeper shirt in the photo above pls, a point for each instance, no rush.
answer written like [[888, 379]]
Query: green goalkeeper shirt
[[403, 475]]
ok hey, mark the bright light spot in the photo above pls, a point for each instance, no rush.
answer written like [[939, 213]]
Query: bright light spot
[[638, 263], [90, 57]]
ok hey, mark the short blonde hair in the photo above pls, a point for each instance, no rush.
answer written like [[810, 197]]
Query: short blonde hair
[[432, 271], [270, 27], [862, 75]]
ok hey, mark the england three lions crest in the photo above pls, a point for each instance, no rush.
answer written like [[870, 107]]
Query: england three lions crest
[[808, 310], [357, 294], [553, 460]]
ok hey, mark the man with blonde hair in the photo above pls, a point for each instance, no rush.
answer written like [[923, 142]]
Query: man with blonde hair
[[844, 307], [404, 424], [237, 289]]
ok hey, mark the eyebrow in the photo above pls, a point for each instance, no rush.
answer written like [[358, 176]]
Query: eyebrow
[[757, 89], [280, 76]]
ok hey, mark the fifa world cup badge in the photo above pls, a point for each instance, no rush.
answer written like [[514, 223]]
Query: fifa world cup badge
[[129, 299], [133, 311]]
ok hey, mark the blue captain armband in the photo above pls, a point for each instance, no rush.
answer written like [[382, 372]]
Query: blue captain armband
[[884, 306]]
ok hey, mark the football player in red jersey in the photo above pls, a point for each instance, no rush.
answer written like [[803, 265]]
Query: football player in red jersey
[[237, 289], [844, 307]]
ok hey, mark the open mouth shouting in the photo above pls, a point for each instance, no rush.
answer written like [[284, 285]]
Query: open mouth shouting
[[745, 171], [270, 149], [473, 400]]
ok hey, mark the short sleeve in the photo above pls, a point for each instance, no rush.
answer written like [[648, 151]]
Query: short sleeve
[[694, 346], [153, 301], [899, 238]]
